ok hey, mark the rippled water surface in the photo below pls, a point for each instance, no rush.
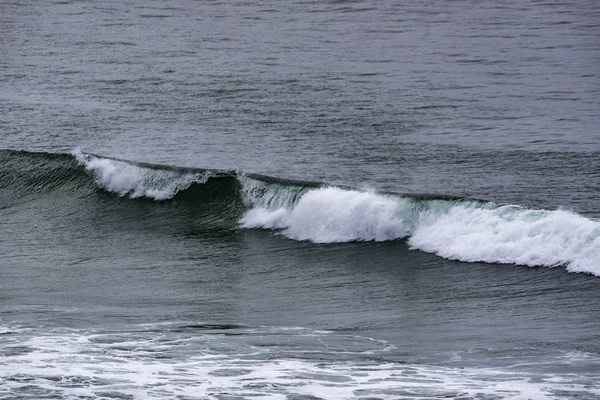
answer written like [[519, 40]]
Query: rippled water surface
[[299, 200]]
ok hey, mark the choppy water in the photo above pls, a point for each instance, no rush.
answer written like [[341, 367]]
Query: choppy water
[[299, 200]]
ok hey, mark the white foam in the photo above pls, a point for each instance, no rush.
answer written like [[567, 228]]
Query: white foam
[[459, 230], [329, 215], [134, 181], [155, 365], [512, 235]]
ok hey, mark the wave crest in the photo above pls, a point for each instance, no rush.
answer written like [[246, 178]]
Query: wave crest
[[453, 228], [512, 235], [134, 181], [464, 230], [332, 214]]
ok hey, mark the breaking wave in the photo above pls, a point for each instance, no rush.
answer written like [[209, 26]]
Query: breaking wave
[[127, 179], [455, 229], [451, 227]]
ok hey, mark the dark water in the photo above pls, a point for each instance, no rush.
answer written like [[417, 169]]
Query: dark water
[[299, 200]]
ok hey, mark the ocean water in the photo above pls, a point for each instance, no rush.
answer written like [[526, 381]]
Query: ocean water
[[299, 200]]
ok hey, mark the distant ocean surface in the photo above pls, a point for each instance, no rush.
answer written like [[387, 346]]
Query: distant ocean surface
[[299, 200]]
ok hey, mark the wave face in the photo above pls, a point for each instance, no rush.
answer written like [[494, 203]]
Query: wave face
[[454, 228]]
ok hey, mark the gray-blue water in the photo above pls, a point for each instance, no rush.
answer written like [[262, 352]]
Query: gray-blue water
[[299, 200]]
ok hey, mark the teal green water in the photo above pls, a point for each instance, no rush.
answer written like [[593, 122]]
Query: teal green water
[[335, 200]]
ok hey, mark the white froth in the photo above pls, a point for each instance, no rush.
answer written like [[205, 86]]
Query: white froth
[[134, 181], [144, 365], [458, 230], [329, 215], [512, 235]]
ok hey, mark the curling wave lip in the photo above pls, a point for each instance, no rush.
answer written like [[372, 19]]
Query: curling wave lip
[[454, 228]]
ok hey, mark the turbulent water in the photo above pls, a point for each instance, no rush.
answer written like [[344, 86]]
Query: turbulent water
[[299, 200]]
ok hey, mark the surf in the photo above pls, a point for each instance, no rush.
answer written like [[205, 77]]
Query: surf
[[455, 228]]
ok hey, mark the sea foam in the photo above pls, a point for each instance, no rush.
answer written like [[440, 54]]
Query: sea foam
[[460, 230], [512, 235], [329, 215], [75, 364], [457, 229], [126, 179]]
